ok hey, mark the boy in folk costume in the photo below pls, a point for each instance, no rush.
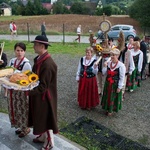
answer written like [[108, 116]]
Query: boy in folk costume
[[112, 93], [105, 57]]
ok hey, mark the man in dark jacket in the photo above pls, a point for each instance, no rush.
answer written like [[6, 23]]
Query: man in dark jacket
[[43, 98], [143, 48]]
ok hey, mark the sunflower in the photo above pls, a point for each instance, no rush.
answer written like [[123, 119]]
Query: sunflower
[[24, 82], [33, 77], [99, 48], [27, 72]]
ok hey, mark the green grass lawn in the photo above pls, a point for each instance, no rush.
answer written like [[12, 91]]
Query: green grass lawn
[[55, 48]]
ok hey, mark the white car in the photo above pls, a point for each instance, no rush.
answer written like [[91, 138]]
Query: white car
[[128, 31]]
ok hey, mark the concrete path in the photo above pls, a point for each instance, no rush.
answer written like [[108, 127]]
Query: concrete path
[[10, 141], [52, 38]]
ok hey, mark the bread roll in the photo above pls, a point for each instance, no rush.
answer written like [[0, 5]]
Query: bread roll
[[6, 72], [17, 77]]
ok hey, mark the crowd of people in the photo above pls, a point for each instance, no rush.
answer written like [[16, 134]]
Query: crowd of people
[[118, 71], [100, 82]]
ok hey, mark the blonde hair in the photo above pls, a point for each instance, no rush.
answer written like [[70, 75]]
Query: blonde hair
[[137, 43], [89, 49]]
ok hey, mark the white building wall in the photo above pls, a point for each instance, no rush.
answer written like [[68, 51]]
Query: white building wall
[[53, 1], [7, 12]]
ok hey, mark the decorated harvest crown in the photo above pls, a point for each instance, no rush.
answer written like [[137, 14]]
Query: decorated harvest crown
[[106, 50]]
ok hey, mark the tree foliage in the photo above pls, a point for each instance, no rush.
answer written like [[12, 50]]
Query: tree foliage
[[140, 10], [106, 9], [79, 8]]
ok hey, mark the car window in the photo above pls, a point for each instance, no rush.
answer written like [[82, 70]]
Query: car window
[[125, 28], [115, 28]]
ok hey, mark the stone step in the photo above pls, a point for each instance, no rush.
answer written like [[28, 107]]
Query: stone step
[[10, 141]]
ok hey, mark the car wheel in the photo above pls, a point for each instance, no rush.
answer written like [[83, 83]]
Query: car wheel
[[129, 36]]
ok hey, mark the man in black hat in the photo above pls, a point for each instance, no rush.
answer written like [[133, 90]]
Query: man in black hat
[[43, 98]]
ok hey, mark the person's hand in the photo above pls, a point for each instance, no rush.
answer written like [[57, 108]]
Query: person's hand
[[1, 62], [105, 64], [118, 90], [95, 65]]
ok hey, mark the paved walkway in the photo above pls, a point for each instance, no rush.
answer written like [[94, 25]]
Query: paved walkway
[[52, 38], [10, 141]]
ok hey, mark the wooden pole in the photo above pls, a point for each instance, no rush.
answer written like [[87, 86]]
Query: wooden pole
[[63, 34], [28, 32]]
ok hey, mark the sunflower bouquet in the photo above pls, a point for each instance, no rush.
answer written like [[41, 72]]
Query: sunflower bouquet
[[98, 49]]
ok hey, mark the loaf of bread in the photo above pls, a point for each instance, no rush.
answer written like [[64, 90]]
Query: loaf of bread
[[16, 77], [6, 72]]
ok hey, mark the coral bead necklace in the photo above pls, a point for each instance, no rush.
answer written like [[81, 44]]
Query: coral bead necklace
[[111, 65]]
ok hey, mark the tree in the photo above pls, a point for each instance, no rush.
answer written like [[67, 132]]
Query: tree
[[140, 10], [99, 11], [77, 8], [58, 7], [107, 10]]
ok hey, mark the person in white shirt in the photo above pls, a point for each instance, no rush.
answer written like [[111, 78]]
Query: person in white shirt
[[112, 93], [18, 100], [134, 80], [126, 58], [110, 43], [86, 77], [78, 33], [130, 43], [11, 30]]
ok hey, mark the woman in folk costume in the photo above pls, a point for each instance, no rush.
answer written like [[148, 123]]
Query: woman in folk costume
[[112, 93], [126, 58], [134, 80], [130, 43], [18, 101], [86, 76]]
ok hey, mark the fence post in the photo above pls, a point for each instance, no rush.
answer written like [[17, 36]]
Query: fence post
[[28, 32], [63, 34]]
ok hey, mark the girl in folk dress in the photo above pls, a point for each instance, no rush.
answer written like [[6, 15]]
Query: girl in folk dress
[[130, 44], [134, 80], [112, 94], [126, 58], [18, 101], [86, 76]]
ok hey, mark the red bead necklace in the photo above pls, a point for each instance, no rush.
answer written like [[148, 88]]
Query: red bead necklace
[[112, 67], [17, 65]]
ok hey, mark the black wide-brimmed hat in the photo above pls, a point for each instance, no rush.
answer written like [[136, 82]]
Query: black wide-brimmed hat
[[41, 39]]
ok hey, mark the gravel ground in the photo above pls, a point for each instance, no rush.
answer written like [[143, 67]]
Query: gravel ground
[[133, 121]]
